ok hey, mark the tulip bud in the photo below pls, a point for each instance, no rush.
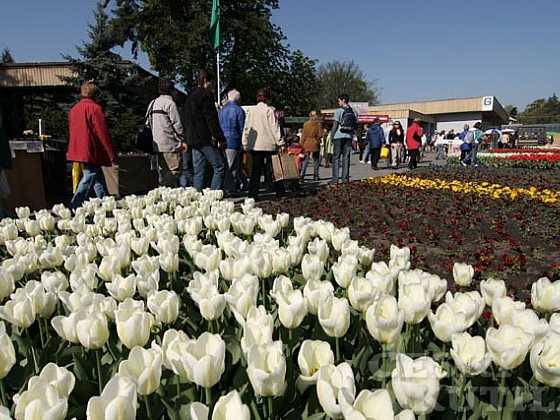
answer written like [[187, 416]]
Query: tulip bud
[[266, 368], [362, 294], [384, 320], [463, 274], [399, 258], [312, 268], [334, 316], [335, 388], [242, 296], [292, 307], [117, 401], [143, 366], [133, 324], [345, 270], [492, 289], [257, 330]]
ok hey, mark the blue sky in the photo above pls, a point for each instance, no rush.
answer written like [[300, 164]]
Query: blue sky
[[414, 50]]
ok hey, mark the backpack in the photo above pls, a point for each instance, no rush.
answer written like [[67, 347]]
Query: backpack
[[144, 137], [348, 121]]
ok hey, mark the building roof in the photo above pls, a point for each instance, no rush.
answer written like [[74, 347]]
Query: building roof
[[19, 75]]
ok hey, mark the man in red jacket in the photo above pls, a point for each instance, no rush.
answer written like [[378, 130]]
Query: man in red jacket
[[414, 142], [89, 144]]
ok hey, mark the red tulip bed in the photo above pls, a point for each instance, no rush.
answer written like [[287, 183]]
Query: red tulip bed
[[518, 241], [537, 158]]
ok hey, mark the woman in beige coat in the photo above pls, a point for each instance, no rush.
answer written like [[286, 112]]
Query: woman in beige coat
[[311, 143], [261, 138]]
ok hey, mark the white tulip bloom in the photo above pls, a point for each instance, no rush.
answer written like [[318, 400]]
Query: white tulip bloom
[[384, 320], [53, 282], [335, 388], [344, 270], [334, 316], [258, 329], [140, 246], [508, 345], [492, 289], [143, 366], [416, 383], [204, 292], [545, 295], [164, 305], [92, 329], [117, 401], [292, 307], [369, 405], [41, 403], [471, 304], [414, 302], [382, 278], [19, 312], [312, 356], [312, 268], [261, 262], [7, 284], [469, 354], [266, 368], [230, 407], [503, 309], [109, 267], [169, 262], [133, 323], [208, 258], [463, 274], [147, 284], [8, 353], [281, 261], [242, 296], [339, 237], [122, 288], [362, 293], [399, 258], [316, 291], [320, 248], [554, 323], [51, 258], [446, 322], [545, 359], [529, 322]]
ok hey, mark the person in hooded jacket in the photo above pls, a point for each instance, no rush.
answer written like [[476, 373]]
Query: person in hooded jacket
[[376, 140]]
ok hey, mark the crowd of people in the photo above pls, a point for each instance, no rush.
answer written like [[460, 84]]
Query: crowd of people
[[206, 146]]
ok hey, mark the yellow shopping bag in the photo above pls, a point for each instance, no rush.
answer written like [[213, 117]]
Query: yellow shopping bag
[[76, 175], [384, 153]]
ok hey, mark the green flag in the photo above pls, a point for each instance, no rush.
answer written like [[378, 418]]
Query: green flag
[[215, 24]]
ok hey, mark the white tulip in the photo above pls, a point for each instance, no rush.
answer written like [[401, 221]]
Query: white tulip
[[280, 261], [201, 360], [122, 288], [7, 284], [316, 291], [399, 258], [319, 248], [193, 226], [312, 268], [362, 293], [65, 327], [109, 267], [146, 265], [32, 227], [335, 388], [117, 401], [338, 237], [446, 322], [545, 295], [8, 353], [508, 345], [382, 278], [503, 309], [469, 354], [60, 378], [529, 322], [334, 316], [140, 246], [92, 330], [344, 270], [230, 407], [19, 312], [208, 258], [169, 262], [143, 366], [471, 304], [261, 262], [41, 403], [463, 274], [545, 360], [54, 281], [258, 329], [384, 320], [312, 356], [51, 258], [492, 289], [23, 212], [133, 324], [554, 322], [4, 413], [414, 302], [207, 296], [164, 305], [292, 307], [405, 415], [194, 411], [242, 296], [416, 383], [266, 368], [369, 405], [147, 284]]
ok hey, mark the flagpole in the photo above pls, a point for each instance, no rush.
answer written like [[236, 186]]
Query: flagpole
[[218, 76]]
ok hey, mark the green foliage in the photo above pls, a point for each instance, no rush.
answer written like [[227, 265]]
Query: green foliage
[[542, 111], [119, 82], [511, 110], [338, 77], [6, 57]]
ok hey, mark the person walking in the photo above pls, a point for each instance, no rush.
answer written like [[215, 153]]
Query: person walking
[[440, 145], [311, 143], [474, 138], [396, 141], [232, 121], [366, 153], [204, 134], [261, 138], [343, 131], [414, 135], [164, 120], [89, 144], [327, 148], [376, 140]]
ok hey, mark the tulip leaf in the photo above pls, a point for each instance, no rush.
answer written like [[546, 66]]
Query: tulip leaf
[[233, 347]]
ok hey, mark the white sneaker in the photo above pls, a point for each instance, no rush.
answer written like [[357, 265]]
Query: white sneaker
[[361, 161]]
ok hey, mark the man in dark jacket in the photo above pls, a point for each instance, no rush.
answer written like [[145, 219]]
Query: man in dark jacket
[[232, 122], [204, 135], [376, 140]]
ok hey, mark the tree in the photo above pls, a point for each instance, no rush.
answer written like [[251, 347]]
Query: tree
[[511, 110], [338, 77], [119, 81], [6, 57], [175, 36], [542, 111]]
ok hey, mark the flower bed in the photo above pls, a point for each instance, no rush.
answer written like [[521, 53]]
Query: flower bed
[[526, 150], [175, 305], [515, 160]]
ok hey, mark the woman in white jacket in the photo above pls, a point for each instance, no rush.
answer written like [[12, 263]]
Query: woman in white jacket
[[261, 138]]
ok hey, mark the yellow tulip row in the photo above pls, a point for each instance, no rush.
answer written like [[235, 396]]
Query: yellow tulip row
[[488, 189]]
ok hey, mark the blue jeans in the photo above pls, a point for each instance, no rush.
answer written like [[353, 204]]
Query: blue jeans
[[366, 153], [234, 180], [316, 161], [200, 156], [473, 153], [186, 177], [342, 151], [92, 177]]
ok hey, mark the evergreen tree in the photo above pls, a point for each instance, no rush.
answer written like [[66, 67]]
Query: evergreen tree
[[7, 57], [119, 81], [542, 111]]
